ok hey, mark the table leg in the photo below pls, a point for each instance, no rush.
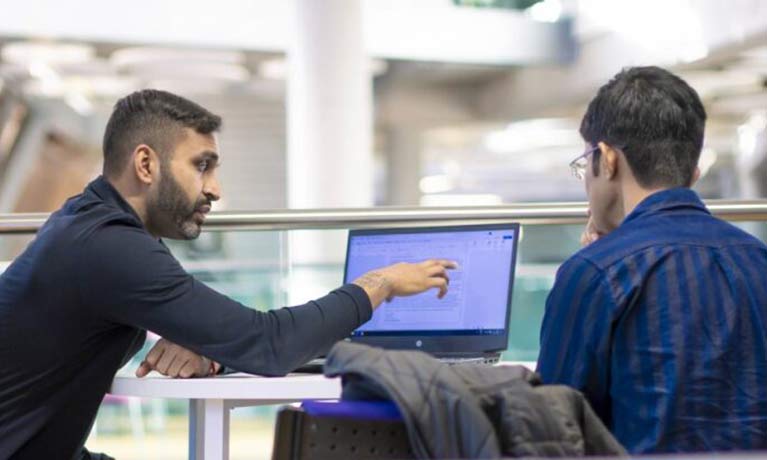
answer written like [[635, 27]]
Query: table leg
[[208, 429]]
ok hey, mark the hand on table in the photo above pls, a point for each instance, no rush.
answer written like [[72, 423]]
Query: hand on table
[[175, 361]]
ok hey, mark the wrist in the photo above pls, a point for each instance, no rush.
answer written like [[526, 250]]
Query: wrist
[[208, 367], [377, 286]]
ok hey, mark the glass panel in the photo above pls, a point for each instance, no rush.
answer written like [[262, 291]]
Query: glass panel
[[262, 270], [536, 268], [271, 269]]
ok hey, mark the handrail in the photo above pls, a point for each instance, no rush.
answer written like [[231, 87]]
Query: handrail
[[294, 219]]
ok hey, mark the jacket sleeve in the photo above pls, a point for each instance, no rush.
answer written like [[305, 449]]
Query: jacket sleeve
[[576, 333], [129, 278]]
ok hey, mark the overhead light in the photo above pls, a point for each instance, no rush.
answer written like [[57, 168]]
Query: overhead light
[[95, 67], [79, 103], [277, 68], [193, 71], [110, 86], [436, 184], [524, 136], [142, 55], [27, 53], [172, 65], [669, 29], [163, 63], [47, 82]]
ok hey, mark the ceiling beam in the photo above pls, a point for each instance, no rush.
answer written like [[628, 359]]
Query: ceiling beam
[[394, 29]]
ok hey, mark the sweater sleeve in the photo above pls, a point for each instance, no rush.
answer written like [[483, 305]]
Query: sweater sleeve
[[131, 279]]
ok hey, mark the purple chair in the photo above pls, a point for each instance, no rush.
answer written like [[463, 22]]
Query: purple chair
[[341, 430]]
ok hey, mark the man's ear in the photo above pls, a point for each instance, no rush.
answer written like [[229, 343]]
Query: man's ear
[[145, 164], [608, 160]]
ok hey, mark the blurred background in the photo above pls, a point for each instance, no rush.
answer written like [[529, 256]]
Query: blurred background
[[360, 103]]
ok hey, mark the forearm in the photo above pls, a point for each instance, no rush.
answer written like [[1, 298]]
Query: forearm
[[240, 338], [281, 340]]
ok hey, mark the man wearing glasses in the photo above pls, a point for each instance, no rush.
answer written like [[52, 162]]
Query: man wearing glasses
[[662, 320]]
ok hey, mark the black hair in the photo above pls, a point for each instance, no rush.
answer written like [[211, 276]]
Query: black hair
[[655, 118], [155, 118]]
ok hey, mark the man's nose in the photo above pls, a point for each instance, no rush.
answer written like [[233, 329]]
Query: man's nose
[[212, 189]]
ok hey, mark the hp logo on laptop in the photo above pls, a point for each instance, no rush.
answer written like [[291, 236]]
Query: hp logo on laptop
[[418, 343]]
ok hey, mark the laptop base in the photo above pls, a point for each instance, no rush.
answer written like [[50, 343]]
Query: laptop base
[[315, 366]]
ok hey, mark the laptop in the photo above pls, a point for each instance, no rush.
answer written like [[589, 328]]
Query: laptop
[[469, 324]]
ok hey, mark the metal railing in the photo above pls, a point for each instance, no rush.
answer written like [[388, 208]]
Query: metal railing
[[526, 214]]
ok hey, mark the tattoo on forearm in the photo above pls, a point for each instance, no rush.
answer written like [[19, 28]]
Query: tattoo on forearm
[[373, 280]]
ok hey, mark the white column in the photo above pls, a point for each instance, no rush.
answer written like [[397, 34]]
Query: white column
[[404, 165], [330, 161], [329, 107]]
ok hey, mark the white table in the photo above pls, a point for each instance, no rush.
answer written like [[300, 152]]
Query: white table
[[211, 399]]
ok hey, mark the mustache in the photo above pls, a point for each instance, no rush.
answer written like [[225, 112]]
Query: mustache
[[198, 205], [202, 202]]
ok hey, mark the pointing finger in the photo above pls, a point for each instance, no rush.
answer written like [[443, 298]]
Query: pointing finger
[[143, 369], [155, 354], [451, 264], [440, 283]]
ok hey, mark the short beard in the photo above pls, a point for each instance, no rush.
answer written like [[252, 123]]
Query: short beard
[[171, 213]]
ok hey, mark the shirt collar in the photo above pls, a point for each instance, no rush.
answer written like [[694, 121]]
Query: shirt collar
[[106, 191], [668, 200]]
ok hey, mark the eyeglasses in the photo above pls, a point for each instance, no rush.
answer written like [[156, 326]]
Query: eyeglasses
[[578, 165]]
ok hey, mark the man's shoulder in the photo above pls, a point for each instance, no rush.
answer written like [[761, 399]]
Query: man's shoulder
[[580, 266], [633, 239], [89, 211], [84, 221], [608, 249], [113, 245]]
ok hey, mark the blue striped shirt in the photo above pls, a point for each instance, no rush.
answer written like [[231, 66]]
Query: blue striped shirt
[[662, 325]]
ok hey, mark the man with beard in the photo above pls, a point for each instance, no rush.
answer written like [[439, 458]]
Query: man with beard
[[74, 307]]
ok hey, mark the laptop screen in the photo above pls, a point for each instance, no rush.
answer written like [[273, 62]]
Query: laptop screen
[[478, 301]]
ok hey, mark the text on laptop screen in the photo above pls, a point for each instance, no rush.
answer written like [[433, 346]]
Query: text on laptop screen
[[478, 294]]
